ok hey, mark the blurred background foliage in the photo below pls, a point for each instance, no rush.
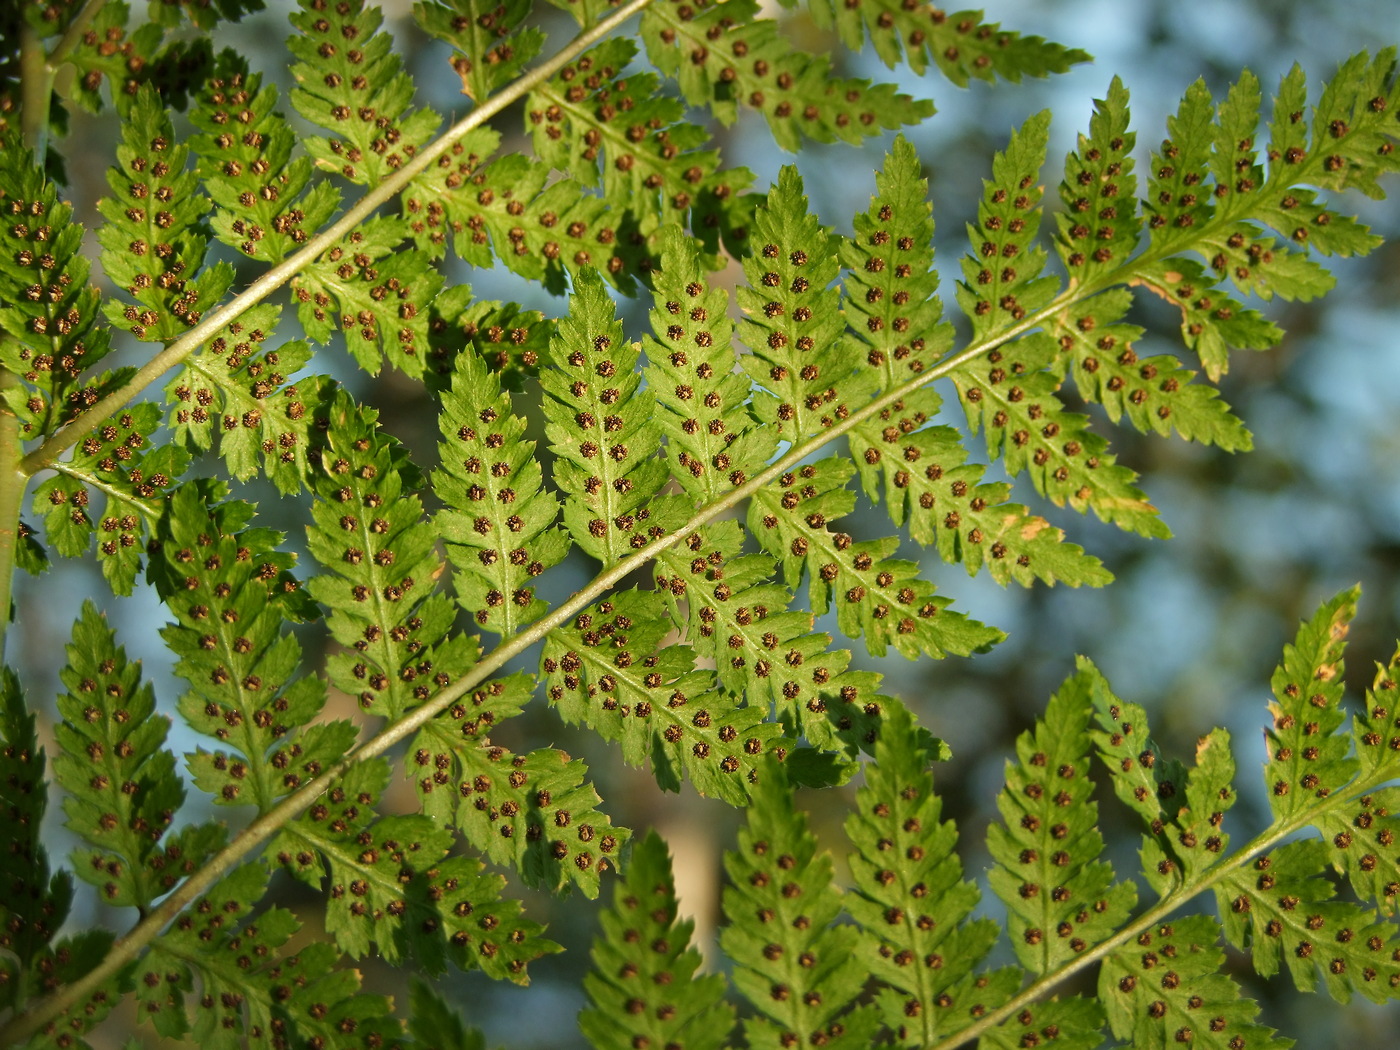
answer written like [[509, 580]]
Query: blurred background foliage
[[1193, 626]]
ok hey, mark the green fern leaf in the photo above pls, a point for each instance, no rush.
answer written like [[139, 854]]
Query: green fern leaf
[[724, 55], [499, 527], [593, 116], [1002, 281], [491, 47], [1011, 393], [49, 312], [876, 596], [920, 468], [610, 671], [644, 986], [253, 990], [540, 227], [765, 654], [713, 443], [117, 461], [1287, 914], [1183, 810], [370, 534], [1154, 393], [1100, 225], [266, 203], [1061, 899], [393, 889], [378, 296], [910, 897], [799, 355], [122, 786], [510, 339], [1308, 758], [602, 429], [1070, 1022], [1212, 323], [1168, 989], [535, 812], [35, 902], [153, 241], [797, 968], [433, 1022], [230, 591], [1007, 391], [112, 51], [235, 392], [1363, 834], [351, 82], [891, 291], [960, 44]]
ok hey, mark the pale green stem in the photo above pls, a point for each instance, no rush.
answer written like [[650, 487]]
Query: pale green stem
[[213, 322], [74, 33]]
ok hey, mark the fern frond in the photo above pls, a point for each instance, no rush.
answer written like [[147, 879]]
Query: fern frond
[[393, 889], [118, 461], [799, 357], [1061, 898], [960, 44], [713, 442], [722, 55], [910, 896], [611, 671], [797, 968], [112, 52], [36, 901], [351, 82], [1288, 915], [154, 240], [499, 524], [876, 595], [230, 591], [1363, 836], [601, 427], [122, 787], [1002, 279], [1308, 757], [236, 393], [491, 46], [267, 203], [592, 117], [644, 986], [1154, 393], [1100, 225], [922, 468], [1007, 391], [534, 812], [370, 534], [764, 653], [1183, 810], [513, 211], [377, 295], [511, 340], [1209, 194], [1212, 323], [250, 982], [1169, 988], [51, 315]]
